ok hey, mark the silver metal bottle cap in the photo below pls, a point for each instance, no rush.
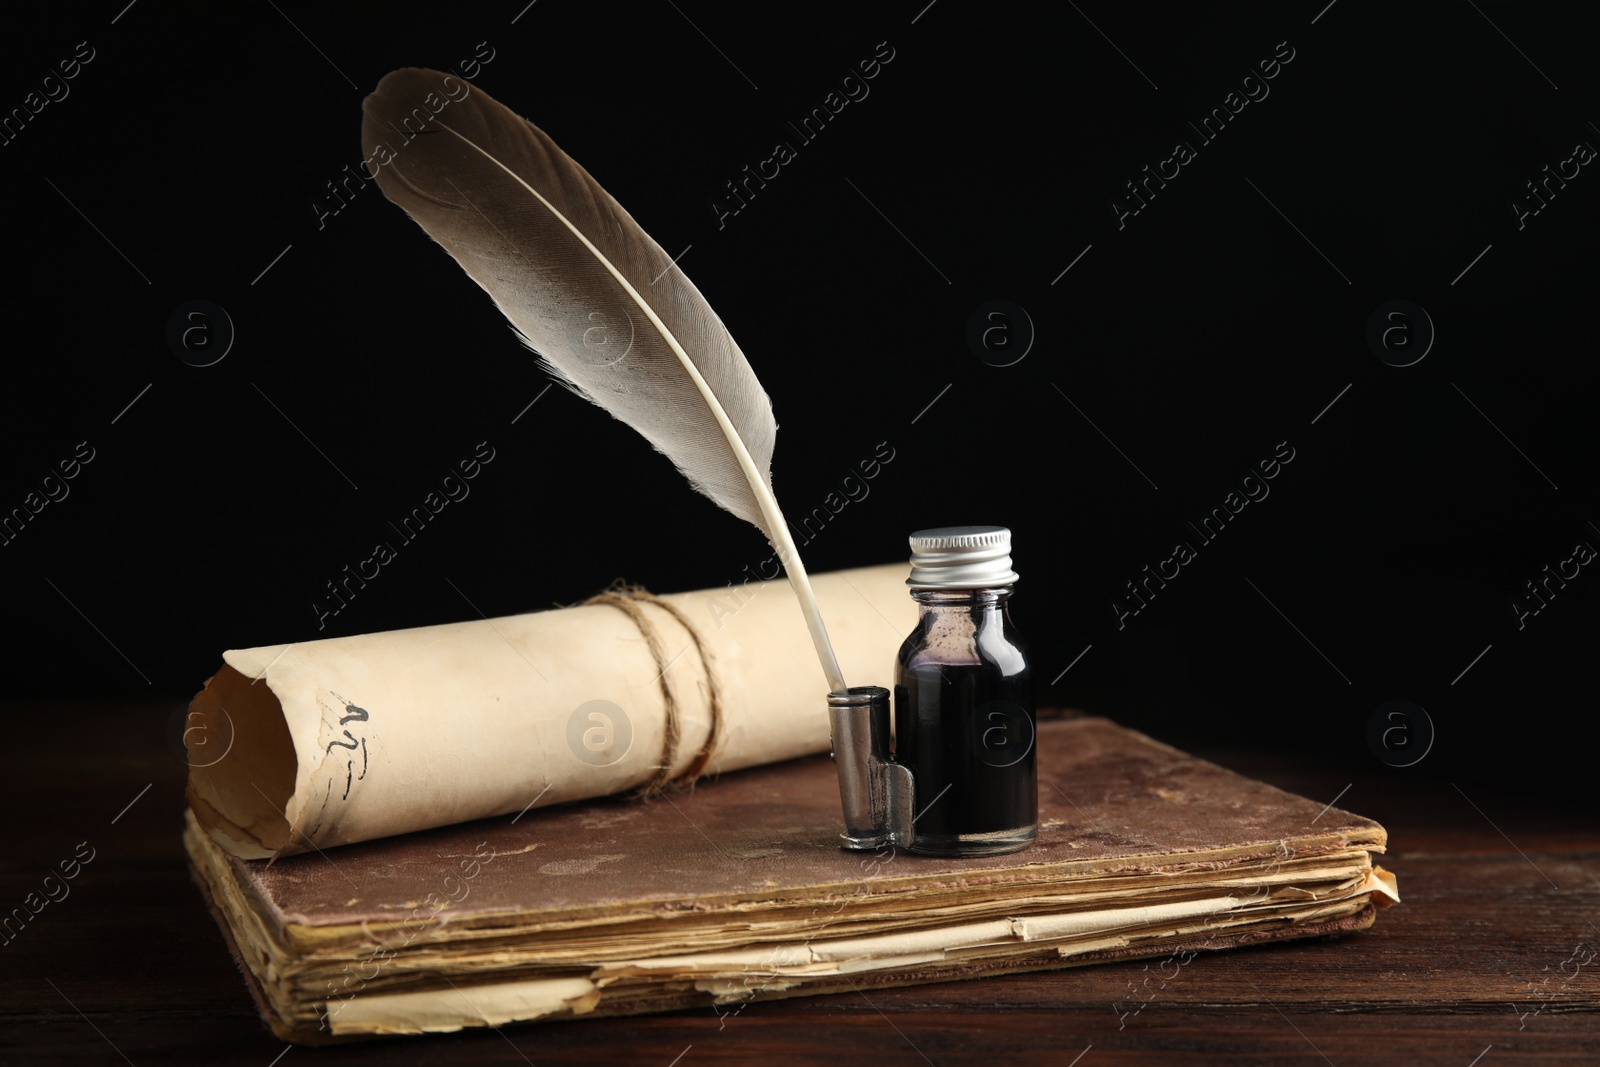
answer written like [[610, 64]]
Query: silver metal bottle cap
[[961, 557]]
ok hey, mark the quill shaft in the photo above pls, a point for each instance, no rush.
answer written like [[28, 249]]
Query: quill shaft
[[776, 527]]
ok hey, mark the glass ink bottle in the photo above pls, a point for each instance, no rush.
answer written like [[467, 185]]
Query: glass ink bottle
[[961, 779], [963, 699]]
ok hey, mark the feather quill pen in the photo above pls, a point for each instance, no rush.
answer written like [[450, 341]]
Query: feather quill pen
[[586, 288]]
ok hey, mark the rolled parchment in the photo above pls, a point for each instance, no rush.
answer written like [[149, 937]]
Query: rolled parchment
[[324, 743]]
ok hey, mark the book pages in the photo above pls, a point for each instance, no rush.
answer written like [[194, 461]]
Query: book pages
[[739, 891]]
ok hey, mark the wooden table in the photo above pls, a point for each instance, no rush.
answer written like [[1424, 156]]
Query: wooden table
[[1490, 960]]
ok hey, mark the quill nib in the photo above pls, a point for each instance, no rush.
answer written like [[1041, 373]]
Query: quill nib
[[588, 290]]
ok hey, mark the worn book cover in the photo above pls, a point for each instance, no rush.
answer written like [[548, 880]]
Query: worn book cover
[[738, 891]]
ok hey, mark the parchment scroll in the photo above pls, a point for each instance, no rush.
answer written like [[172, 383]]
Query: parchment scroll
[[324, 743]]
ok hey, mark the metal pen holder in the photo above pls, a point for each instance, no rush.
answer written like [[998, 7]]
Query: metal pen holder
[[878, 794]]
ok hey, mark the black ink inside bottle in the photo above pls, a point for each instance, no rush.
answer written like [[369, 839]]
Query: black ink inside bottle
[[965, 725]]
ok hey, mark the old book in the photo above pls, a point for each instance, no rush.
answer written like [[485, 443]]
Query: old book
[[738, 891]]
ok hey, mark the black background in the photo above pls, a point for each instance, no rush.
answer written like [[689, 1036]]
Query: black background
[[1196, 337]]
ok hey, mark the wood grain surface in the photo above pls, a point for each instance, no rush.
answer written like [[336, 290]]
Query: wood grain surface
[[1489, 960]]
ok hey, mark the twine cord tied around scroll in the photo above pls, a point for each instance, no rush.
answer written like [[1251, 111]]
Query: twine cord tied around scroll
[[629, 599]]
